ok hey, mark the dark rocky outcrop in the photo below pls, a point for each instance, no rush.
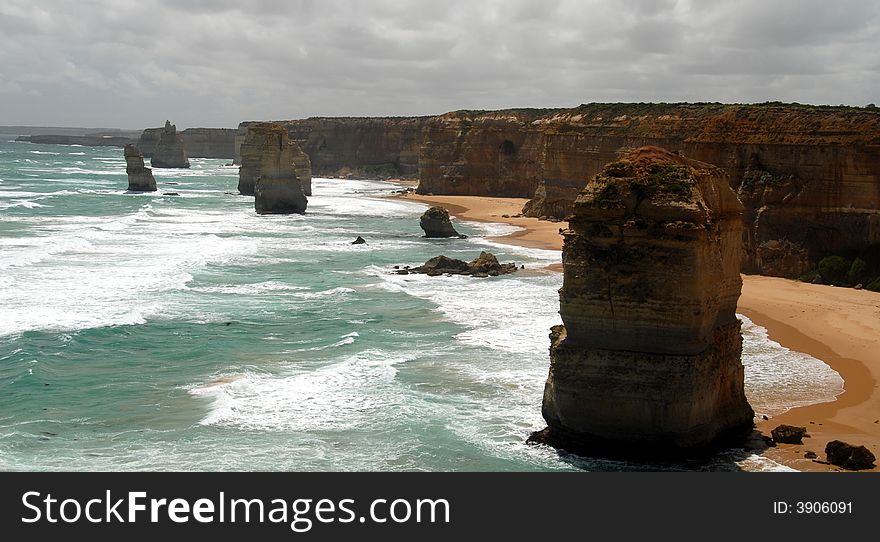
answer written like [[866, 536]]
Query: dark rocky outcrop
[[359, 241], [268, 170], [435, 222], [484, 265], [649, 359], [809, 176], [789, 434], [250, 151], [849, 456], [170, 151], [140, 178]]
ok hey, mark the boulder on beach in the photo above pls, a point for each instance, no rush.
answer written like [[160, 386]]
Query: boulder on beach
[[849, 456], [789, 434]]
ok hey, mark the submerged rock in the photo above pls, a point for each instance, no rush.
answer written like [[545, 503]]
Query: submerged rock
[[485, 265], [849, 456], [436, 223], [649, 359], [170, 151], [267, 161], [140, 178]]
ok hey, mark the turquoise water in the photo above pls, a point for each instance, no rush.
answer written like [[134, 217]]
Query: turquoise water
[[148, 331]]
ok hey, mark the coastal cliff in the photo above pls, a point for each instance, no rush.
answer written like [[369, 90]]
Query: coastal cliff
[[649, 358], [809, 176], [482, 153], [199, 142], [369, 147]]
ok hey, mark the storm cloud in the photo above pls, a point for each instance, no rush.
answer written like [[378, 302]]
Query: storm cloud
[[214, 63]]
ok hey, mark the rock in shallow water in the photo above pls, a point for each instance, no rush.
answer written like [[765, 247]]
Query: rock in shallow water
[[140, 178], [436, 223], [484, 265], [170, 151], [267, 161]]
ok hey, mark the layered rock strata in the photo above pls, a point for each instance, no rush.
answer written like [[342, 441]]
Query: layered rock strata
[[268, 171], [140, 178], [170, 151], [435, 222], [809, 176], [649, 358]]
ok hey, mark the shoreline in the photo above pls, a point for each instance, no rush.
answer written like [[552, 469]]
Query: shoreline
[[839, 326]]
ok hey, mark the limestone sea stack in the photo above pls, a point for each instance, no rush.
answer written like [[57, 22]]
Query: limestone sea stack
[[436, 223], [170, 151], [248, 172], [649, 359], [140, 178], [268, 171]]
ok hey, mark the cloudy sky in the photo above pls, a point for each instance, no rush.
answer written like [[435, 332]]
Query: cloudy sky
[[121, 63]]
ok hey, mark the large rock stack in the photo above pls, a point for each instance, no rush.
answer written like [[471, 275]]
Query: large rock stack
[[649, 359], [249, 171], [268, 171], [170, 151], [140, 178]]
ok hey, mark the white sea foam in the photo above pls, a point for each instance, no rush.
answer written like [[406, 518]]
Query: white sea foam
[[778, 379], [504, 313], [337, 397]]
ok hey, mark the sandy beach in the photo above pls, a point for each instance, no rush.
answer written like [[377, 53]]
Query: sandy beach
[[839, 326]]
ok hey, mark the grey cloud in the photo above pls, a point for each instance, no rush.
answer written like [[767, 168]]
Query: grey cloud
[[216, 62]]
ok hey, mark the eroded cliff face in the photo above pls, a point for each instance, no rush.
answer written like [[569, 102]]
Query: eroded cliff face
[[371, 147], [809, 176], [199, 142], [649, 358], [482, 153]]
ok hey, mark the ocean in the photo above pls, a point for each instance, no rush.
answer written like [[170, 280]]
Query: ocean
[[160, 332]]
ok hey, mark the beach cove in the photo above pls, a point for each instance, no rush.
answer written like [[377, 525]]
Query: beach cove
[[839, 326]]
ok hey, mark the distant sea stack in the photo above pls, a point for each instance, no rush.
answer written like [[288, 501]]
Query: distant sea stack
[[250, 154], [649, 359], [268, 171], [170, 151], [198, 142], [140, 178]]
